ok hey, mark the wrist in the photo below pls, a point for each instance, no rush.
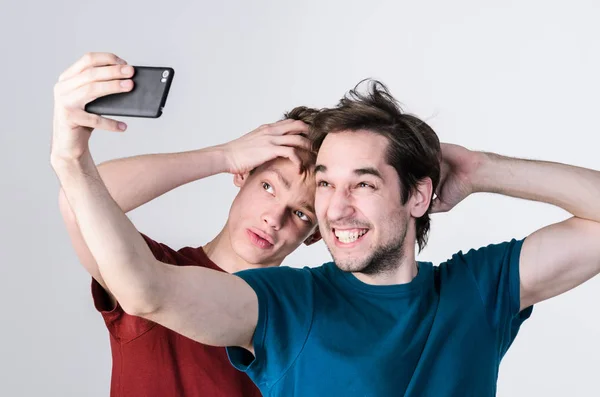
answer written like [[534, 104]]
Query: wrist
[[64, 165], [73, 172], [482, 177], [218, 158]]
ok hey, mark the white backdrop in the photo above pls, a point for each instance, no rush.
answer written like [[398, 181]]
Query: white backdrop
[[517, 78]]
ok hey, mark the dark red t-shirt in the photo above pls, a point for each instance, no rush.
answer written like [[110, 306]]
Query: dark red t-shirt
[[150, 360]]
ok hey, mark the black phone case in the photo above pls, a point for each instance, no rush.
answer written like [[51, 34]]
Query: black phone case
[[146, 99]]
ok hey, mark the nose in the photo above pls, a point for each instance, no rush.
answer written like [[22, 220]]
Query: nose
[[274, 217], [340, 206]]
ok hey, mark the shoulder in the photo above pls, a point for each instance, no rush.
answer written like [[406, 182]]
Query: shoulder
[[186, 256], [496, 252], [277, 273], [281, 280]]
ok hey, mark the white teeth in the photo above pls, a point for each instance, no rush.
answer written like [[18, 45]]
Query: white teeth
[[349, 236]]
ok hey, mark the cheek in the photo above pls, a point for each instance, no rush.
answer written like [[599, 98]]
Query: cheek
[[294, 235], [369, 207], [321, 203], [380, 211], [248, 203]]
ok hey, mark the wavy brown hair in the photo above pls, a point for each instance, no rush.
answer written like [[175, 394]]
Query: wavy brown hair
[[413, 147]]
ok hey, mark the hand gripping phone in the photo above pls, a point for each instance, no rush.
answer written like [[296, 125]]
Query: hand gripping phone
[[147, 98]]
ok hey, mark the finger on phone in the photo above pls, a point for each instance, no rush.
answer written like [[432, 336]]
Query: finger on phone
[[101, 73], [85, 119], [87, 93], [91, 59]]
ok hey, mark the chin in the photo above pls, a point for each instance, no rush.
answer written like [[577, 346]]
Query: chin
[[255, 258], [350, 265], [247, 255]]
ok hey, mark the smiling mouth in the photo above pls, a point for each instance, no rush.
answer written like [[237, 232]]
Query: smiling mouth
[[349, 236]]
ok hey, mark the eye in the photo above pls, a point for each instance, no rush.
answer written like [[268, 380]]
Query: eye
[[322, 184], [302, 216], [365, 184], [266, 186]]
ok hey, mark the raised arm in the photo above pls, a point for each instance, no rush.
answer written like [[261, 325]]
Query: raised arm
[[208, 306], [555, 258], [561, 256], [137, 180]]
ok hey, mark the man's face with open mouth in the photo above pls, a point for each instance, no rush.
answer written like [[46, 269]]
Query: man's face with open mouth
[[358, 201]]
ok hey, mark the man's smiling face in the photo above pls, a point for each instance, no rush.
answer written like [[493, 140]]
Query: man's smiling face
[[358, 202]]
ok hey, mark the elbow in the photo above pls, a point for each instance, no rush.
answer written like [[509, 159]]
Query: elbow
[[138, 308], [143, 299], [139, 304]]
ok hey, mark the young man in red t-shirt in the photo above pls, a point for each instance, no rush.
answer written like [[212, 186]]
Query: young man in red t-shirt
[[270, 217]]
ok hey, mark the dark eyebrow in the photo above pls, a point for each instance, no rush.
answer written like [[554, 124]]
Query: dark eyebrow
[[320, 168], [287, 184], [368, 171], [358, 171]]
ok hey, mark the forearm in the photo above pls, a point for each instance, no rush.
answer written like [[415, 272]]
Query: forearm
[[125, 262], [574, 189], [134, 181]]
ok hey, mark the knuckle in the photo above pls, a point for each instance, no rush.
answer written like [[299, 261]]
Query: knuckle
[[115, 71], [299, 140], [90, 74], [299, 124], [95, 120], [112, 57], [89, 89], [88, 57]]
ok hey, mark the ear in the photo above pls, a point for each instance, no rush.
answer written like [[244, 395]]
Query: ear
[[313, 238], [240, 179], [421, 198]]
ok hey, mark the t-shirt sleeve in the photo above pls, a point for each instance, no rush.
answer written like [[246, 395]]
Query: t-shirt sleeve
[[121, 325], [495, 270], [285, 313]]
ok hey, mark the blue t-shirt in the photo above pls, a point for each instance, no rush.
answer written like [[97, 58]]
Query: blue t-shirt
[[323, 332]]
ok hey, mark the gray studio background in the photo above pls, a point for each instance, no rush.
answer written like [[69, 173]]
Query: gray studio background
[[517, 78]]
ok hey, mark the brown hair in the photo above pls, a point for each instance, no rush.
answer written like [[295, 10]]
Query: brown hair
[[413, 149], [302, 113], [307, 116]]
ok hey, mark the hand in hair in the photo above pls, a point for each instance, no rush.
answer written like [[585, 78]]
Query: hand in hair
[[267, 142], [457, 175]]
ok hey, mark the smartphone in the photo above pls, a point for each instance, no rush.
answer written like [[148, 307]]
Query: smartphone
[[147, 98]]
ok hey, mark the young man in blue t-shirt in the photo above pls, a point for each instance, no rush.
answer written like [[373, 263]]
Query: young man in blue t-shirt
[[375, 322]]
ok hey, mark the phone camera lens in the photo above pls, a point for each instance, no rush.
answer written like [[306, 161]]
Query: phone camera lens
[[165, 73]]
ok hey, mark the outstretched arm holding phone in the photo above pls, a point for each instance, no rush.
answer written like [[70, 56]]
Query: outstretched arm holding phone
[[134, 181], [211, 307]]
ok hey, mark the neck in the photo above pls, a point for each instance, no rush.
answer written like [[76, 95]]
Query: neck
[[220, 251]]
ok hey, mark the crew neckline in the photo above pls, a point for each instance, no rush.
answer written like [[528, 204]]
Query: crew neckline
[[414, 286]]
